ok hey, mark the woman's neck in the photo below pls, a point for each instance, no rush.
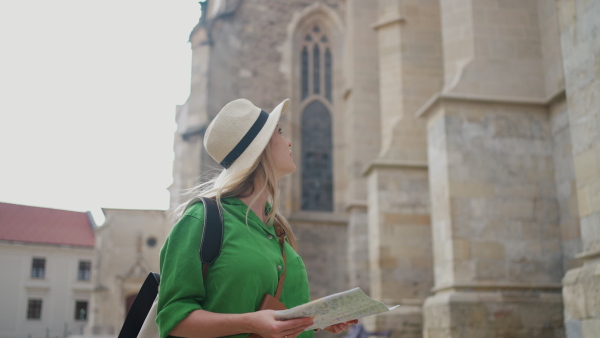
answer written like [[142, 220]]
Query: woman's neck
[[261, 199]]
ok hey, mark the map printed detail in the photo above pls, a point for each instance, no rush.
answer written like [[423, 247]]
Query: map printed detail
[[336, 308]]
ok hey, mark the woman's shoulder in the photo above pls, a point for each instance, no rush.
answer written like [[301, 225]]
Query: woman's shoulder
[[195, 210]]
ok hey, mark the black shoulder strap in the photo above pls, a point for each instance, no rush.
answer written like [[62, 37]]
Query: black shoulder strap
[[212, 235], [210, 249], [140, 307]]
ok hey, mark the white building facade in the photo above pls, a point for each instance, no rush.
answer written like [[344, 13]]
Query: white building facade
[[46, 258], [53, 290]]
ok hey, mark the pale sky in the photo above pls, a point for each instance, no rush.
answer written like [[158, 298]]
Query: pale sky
[[88, 91]]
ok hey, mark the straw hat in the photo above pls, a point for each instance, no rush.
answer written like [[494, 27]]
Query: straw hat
[[240, 132]]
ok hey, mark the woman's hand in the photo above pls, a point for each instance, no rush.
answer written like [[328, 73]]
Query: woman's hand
[[264, 323], [337, 328]]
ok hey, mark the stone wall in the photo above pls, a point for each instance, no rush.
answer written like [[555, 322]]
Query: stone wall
[[124, 257], [362, 125], [410, 72], [501, 212], [502, 194], [321, 244], [495, 222], [492, 47], [358, 249], [192, 120], [497, 182], [246, 53], [563, 157], [580, 44], [494, 314], [566, 193], [400, 252], [400, 235], [554, 80], [400, 257], [495, 134]]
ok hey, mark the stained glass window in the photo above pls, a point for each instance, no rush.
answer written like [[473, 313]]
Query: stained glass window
[[317, 153], [328, 74], [316, 62], [316, 72], [304, 72], [316, 69]]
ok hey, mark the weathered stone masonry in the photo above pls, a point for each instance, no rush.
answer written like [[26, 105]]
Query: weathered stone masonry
[[465, 152]]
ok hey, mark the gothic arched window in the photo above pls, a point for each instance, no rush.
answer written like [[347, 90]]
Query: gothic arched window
[[316, 71], [317, 146], [316, 62]]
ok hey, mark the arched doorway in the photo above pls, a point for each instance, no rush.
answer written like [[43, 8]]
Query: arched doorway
[[128, 302]]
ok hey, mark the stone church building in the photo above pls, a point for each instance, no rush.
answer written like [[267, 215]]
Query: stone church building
[[448, 151]]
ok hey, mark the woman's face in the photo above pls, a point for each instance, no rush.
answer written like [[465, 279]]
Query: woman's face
[[281, 153]]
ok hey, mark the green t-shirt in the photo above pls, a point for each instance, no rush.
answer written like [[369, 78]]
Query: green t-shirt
[[249, 266]]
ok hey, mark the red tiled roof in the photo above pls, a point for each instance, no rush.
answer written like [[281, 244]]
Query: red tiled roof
[[22, 223]]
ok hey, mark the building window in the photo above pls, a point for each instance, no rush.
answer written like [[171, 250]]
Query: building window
[[81, 310], [317, 169], [34, 309], [304, 72], [151, 242], [84, 272], [316, 64], [38, 268], [316, 86], [328, 74], [316, 69]]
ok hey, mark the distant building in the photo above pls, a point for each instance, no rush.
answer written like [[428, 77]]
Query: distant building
[[63, 276], [127, 249], [46, 258]]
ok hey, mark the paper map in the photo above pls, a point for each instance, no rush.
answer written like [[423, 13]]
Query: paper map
[[336, 308]]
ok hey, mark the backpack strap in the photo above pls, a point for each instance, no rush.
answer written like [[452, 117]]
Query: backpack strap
[[212, 234], [141, 306], [210, 249]]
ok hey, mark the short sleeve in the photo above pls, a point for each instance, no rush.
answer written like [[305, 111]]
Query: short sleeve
[[181, 288]]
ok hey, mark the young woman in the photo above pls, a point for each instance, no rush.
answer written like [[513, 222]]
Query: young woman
[[250, 146]]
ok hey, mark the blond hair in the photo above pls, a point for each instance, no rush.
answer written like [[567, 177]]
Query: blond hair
[[240, 184]]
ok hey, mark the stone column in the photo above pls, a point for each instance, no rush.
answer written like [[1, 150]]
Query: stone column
[[361, 130], [400, 258], [192, 119], [400, 254], [579, 25], [496, 233], [497, 248]]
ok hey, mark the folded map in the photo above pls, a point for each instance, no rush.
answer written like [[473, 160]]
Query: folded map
[[336, 308]]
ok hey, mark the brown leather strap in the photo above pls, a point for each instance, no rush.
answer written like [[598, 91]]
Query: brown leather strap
[[281, 236], [205, 267]]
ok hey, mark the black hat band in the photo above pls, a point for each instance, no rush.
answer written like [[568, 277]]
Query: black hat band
[[246, 140]]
